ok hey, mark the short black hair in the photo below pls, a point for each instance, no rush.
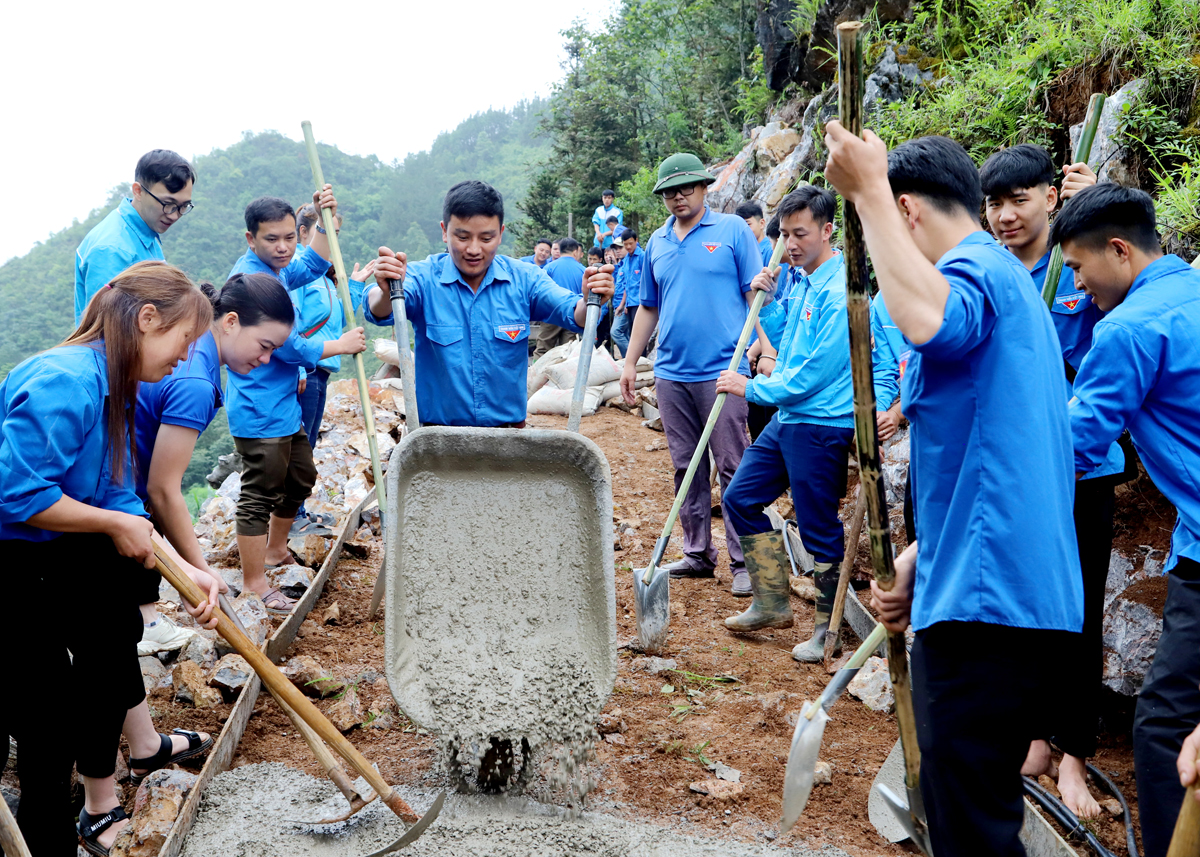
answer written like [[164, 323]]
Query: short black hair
[[1016, 168], [773, 228], [597, 252], [568, 245], [749, 209], [627, 234], [612, 218], [267, 209], [1104, 211], [938, 169], [608, 192], [545, 241], [817, 200], [472, 198], [163, 165]]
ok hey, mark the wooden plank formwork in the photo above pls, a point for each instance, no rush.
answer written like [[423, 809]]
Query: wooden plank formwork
[[223, 750]]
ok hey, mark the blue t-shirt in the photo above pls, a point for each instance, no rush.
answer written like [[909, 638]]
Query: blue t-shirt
[[472, 355], [1143, 373], [54, 441], [699, 286], [189, 397], [532, 260], [887, 344], [631, 275], [764, 244], [568, 273], [992, 464], [121, 239]]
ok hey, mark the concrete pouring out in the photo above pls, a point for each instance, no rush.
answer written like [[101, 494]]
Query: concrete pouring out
[[242, 811]]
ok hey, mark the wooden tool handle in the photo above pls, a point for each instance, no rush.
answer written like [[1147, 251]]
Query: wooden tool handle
[[1185, 841], [278, 683], [839, 600], [11, 839]]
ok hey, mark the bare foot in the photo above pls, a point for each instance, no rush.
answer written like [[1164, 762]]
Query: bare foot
[[1039, 761], [1072, 784]]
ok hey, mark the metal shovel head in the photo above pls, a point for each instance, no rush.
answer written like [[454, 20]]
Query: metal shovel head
[[801, 766], [414, 833], [652, 608], [899, 808]]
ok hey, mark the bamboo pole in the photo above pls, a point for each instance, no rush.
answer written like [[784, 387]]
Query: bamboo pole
[[1091, 121], [858, 307], [339, 268], [11, 839]]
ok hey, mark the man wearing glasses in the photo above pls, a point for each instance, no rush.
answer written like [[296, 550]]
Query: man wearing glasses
[[162, 193], [695, 287]]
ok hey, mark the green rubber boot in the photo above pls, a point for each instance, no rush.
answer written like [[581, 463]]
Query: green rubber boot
[[813, 651], [767, 565]]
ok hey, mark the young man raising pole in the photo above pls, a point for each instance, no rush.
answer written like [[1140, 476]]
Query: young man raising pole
[[993, 584]]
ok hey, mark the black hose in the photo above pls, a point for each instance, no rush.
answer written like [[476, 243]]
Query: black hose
[[1111, 788], [1059, 812]]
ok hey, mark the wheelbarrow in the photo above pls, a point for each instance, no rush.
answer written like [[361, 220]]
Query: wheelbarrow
[[500, 598]]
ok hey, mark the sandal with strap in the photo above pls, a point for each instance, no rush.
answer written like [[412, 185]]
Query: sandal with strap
[[283, 604], [165, 756], [90, 829]]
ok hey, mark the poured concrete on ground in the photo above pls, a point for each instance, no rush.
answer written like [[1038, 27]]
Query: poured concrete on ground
[[244, 814]]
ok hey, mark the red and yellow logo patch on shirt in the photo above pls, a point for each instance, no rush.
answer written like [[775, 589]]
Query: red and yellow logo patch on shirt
[[512, 331], [710, 246]]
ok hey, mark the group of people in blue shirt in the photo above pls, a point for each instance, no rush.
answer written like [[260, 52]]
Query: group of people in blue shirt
[[1017, 417]]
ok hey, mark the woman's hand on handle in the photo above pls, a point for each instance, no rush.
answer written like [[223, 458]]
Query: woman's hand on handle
[[131, 535]]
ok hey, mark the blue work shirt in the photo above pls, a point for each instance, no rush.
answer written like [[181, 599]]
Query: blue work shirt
[[992, 463], [189, 397], [320, 317], [811, 381], [600, 218], [472, 352], [54, 440], [1143, 373], [532, 260], [764, 244], [264, 402], [568, 273], [631, 275], [699, 286], [887, 344], [1075, 315], [121, 239]]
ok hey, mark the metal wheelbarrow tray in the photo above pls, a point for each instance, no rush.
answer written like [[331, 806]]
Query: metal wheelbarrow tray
[[501, 614]]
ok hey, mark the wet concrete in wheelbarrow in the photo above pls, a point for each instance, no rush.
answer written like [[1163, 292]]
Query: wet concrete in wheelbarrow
[[243, 814]]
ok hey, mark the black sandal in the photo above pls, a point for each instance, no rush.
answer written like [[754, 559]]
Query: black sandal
[[90, 829], [165, 757]]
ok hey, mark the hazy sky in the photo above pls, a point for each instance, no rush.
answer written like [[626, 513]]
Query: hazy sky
[[91, 87]]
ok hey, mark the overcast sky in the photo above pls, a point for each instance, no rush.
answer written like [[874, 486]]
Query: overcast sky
[[91, 87]]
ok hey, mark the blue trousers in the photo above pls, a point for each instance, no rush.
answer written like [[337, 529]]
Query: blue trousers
[[811, 459], [622, 326]]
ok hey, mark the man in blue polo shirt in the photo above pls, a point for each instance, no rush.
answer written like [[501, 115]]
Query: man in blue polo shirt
[[993, 582], [695, 288], [567, 270], [752, 213], [161, 194], [1142, 373], [604, 233], [806, 443], [541, 253], [626, 305], [1019, 194], [470, 309]]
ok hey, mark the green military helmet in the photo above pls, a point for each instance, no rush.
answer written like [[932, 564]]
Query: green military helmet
[[682, 168]]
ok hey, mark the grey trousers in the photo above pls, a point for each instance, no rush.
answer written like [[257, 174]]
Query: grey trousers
[[684, 408]]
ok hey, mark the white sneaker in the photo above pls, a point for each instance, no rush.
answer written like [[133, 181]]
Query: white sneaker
[[165, 636]]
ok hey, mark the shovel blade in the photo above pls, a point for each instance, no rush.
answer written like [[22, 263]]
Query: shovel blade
[[801, 766], [652, 608], [915, 828], [413, 833]]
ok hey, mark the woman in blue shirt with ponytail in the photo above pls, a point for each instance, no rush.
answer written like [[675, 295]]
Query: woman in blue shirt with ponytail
[[74, 534]]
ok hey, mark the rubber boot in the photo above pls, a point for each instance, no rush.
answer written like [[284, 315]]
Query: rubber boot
[[812, 651], [767, 565]]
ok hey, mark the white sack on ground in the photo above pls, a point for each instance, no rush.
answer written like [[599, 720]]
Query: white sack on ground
[[551, 400], [602, 370]]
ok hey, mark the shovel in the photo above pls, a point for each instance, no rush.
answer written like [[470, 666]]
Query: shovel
[[412, 420], [858, 310], [586, 347], [329, 764], [300, 705], [651, 587], [806, 740]]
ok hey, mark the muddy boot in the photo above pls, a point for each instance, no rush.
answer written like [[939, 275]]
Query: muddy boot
[[813, 651], [767, 565]]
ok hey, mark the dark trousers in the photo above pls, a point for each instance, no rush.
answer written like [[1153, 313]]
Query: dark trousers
[[1168, 709], [62, 712], [684, 408], [1079, 705], [277, 478], [811, 460], [980, 694], [757, 418], [312, 404]]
